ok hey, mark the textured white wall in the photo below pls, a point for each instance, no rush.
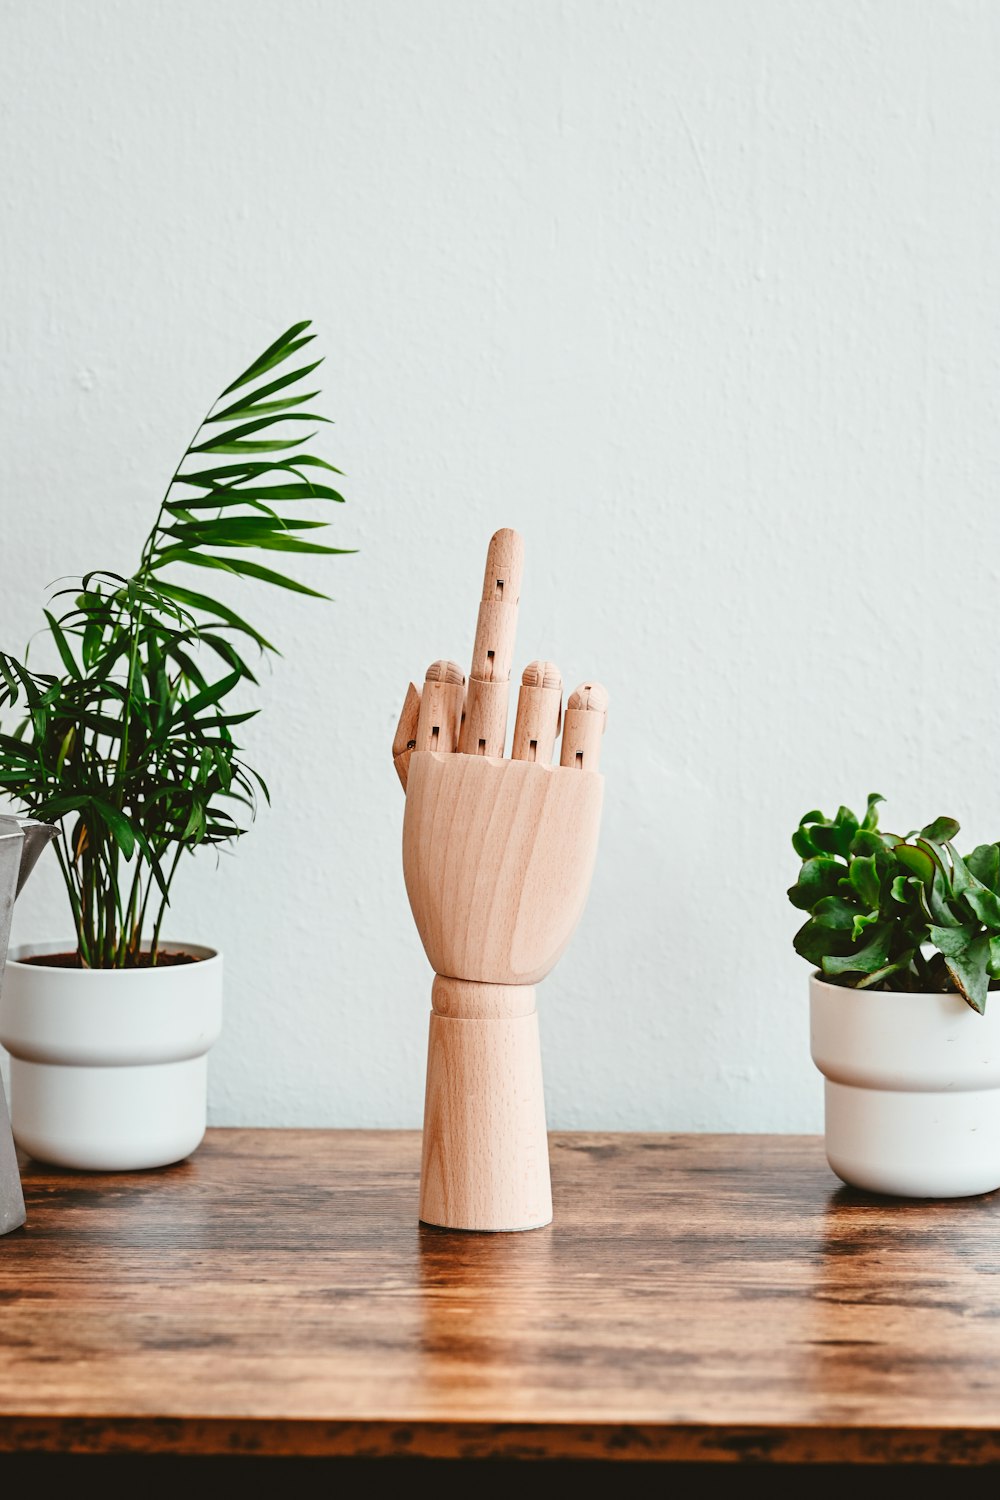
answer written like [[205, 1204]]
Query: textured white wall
[[702, 297]]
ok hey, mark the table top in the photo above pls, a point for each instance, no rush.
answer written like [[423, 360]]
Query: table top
[[696, 1298]]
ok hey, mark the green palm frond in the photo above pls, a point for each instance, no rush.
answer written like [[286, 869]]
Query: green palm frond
[[131, 749]]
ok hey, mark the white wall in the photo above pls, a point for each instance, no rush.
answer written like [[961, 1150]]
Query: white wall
[[702, 297]]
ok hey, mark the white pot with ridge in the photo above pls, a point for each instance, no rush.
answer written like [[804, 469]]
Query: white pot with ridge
[[904, 932]]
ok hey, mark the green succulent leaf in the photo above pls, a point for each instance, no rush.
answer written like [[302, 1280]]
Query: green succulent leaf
[[819, 876], [865, 880], [916, 860], [941, 831], [864, 960], [867, 841], [879, 978], [967, 956], [939, 901], [836, 836], [984, 865], [836, 913], [986, 907], [813, 941], [862, 922], [936, 854], [870, 820], [801, 842]]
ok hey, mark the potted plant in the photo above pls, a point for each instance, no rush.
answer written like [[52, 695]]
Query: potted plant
[[130, 748], [903, 936]]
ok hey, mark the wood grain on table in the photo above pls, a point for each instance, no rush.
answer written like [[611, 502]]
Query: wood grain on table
[[706, 1298]]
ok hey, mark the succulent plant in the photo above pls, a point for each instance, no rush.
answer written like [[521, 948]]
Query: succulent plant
[[897, 911]]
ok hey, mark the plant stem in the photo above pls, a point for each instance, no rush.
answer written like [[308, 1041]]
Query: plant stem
[[155, 941], [136, 618]]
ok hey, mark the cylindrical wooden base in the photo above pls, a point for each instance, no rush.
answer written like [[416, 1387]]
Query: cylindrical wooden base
[[485, 1163]]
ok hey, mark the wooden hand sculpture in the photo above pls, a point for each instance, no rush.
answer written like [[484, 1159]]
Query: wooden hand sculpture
[[497, 859]]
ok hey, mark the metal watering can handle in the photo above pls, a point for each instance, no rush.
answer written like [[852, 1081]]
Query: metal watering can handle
[[20, 845]]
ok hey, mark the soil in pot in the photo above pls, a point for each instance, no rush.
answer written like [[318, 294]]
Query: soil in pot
[[72, 960]]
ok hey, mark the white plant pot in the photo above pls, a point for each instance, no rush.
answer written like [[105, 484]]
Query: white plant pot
[[912, 1090], [109, 1067]]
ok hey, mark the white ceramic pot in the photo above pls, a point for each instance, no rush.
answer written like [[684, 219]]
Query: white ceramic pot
[[109, 1067], [912, 1090]]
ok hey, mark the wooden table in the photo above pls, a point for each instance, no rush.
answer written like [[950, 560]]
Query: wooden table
[[699, 1300]]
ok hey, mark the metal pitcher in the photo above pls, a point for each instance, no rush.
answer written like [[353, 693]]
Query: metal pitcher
[[21, 842]]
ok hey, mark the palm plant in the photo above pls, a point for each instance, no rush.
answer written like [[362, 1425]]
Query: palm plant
[[130, 749]]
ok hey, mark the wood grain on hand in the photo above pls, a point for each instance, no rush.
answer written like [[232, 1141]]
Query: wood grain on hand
[[497, 860], [539, 713], [484, 729], [442, 703], [583, 726], [405, 737]]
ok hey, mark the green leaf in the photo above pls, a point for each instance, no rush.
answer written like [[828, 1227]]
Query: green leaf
[[967, 957], [269, 494], [916, 860], [836, 837], [863, 960], [228, 652], [984, 864], [221, 443], [271, 446], [866, 841], [803, 844], [865, 881], [984, 903], [870, 821], [254, 469], [938, 900], [274, 354], [216, 612], [282, 382], [29, 681], [879, 976], [195, 826], [963, 881], [941, 831], [246, 531], [243, 567], [836, 913], [191, 707], [818, 877], [986, 906], [118, 826], [813, 941], [65, 749], [862, 922], [62, 645], [263, 408], [9, 678]]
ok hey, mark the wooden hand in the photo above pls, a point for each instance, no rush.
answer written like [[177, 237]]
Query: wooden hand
[[451, 716], [497, 860]]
